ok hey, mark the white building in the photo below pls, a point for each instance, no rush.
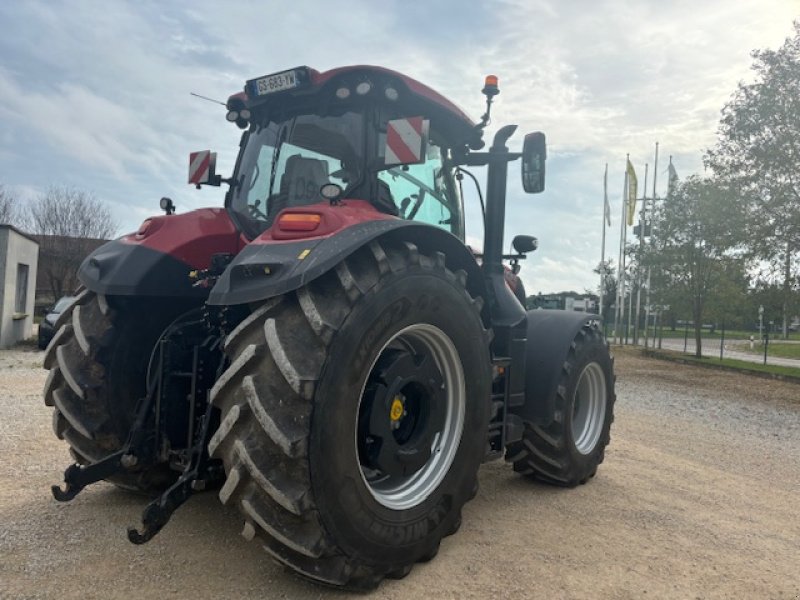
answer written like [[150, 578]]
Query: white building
[[19, 259], [581, 303]]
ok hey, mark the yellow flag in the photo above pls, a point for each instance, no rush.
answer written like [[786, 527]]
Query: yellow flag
[[631, 192]]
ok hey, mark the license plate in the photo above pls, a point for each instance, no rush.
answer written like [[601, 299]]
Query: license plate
[[276, 83]]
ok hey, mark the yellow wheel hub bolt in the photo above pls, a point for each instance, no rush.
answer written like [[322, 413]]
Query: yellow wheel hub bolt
[[396, 412]]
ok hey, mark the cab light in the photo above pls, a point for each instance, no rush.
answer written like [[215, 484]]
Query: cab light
[[363, 88], [343, 93], [299, 221]]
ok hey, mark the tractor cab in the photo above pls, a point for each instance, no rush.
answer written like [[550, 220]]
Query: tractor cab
[[358, 133]]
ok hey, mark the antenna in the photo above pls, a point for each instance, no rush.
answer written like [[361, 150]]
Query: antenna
[[207, 98]]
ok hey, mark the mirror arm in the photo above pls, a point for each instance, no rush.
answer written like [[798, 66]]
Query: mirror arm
[[216, 181], [480, 159]]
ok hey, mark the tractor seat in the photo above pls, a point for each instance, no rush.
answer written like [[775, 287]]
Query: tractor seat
[[302, 180]]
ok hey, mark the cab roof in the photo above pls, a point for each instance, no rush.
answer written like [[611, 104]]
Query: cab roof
[[416, 96]]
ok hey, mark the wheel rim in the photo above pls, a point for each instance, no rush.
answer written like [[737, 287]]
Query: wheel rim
[[589, 408], [411, 416]]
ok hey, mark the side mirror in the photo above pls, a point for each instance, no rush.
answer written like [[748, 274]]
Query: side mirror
[[534, 154], [202, 168], [525, 243]]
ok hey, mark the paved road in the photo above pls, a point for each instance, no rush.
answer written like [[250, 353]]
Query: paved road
[[698, 498], [732, 350]]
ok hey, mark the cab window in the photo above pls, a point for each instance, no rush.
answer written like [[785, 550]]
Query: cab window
[[284, 164], [426, 192]]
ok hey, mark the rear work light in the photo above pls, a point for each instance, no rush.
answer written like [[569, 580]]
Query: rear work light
[[299, 221]]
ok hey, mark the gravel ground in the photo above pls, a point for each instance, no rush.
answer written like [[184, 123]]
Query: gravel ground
[[698, 498]]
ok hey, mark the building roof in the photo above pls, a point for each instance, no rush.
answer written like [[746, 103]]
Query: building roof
[[17, 231], [63, 254]]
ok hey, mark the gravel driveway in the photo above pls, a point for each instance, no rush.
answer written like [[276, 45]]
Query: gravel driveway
[[699, 498]]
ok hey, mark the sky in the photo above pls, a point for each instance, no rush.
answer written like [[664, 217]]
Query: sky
[[96, 95]]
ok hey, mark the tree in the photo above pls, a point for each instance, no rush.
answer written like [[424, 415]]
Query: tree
[[758, 154], [609, 291], [696, 251], [770, 295], [67, 223], [8, 212]]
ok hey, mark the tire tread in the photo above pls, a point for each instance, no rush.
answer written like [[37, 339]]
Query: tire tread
[[543, 453], [271, 399]]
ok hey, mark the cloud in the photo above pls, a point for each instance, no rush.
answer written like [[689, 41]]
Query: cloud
[[100, 98]]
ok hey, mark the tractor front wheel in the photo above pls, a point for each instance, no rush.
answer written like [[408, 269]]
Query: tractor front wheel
[[354, 415], [567, 451]]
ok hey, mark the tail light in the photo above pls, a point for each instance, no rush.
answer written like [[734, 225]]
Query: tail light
[[290, 221]]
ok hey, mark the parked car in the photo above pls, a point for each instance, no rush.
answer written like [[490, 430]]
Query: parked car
[[47, 328]]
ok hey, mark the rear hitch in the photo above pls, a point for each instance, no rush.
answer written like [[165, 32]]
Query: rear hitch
[[198, 474], [77, 477], [152, 436]]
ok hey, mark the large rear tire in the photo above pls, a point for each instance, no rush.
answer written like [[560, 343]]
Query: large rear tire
[[98, 362], [568, 451], [350, 435]]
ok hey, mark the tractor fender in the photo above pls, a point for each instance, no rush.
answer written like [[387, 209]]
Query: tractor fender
[[265, 270], [550, 333], [157, 259]]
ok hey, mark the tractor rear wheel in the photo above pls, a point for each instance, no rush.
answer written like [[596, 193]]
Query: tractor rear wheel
[[98, 361], [568, 451], [354, 415]]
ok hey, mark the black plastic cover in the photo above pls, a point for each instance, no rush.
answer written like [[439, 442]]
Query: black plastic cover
[[117, 268], [262, 271]]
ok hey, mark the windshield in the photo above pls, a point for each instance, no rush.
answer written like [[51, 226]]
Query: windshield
[[285, 164]]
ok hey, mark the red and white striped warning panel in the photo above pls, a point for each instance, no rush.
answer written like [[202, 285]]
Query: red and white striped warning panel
[[201, 166], [406, 141]]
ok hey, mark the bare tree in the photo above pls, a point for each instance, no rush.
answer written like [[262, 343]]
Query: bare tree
[[68, 223], [8, 211]]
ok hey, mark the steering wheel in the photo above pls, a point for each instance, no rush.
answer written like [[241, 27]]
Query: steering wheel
[[255, 211], [420, 197]]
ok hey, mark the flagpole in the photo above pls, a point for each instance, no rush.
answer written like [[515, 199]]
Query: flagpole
[[619, 313], [642, 219], [630, 313], [603, 245], [647, 296]]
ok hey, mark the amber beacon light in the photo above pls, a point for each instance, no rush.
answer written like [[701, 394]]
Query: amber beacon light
[[490, 86]]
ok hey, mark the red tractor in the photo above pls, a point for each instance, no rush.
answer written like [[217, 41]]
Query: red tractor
[[325, 350]]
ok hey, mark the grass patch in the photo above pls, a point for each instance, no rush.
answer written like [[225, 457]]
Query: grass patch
[[730, 334], [780, 349], [778, 371]]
